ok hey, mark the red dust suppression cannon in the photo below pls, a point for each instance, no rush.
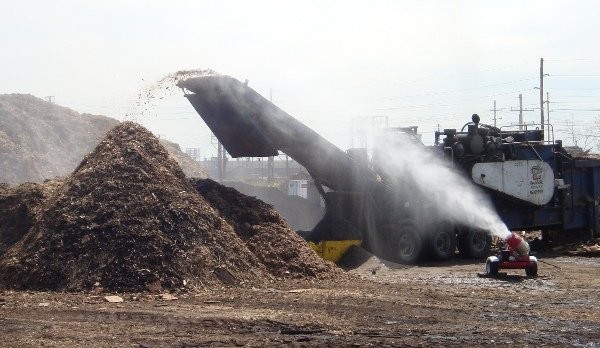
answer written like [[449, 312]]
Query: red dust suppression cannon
[[514, 256]]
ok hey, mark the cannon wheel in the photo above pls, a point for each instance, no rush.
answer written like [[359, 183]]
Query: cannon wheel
[[532, 270], [491, 267]]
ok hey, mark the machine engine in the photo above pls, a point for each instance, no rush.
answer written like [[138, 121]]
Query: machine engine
[[489, 157], [480, 142]]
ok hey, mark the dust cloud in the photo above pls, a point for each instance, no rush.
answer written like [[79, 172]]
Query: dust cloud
[[451, 196]]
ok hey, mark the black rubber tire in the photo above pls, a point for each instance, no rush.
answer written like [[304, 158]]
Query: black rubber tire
[[532, 270], [404, 244], [491, 268], [442, 244], [474, 243]]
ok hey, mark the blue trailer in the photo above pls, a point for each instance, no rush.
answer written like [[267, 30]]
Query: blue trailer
[[534, 184]]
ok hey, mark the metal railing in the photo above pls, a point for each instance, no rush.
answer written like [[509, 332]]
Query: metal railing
[[547, 137]]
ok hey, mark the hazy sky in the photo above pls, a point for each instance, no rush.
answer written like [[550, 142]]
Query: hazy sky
[[334, 65]]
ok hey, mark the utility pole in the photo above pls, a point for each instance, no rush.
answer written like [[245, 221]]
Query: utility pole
[[270, 162], [573, 131], [542, 95], [220, 161], [221, 157], [520, 110], [287, 168], [494, 110], [548, 113]]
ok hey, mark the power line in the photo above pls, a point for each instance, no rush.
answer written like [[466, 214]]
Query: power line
[[583, 110], [454, 90], [580, 75], [458, 102], [439, 77], [567, 59], [580, 96], [576, 89]]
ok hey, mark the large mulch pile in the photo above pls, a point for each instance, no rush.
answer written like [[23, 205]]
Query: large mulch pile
[[300, 213], [128, 219], [19, 207], [264, 231], [191, 167]]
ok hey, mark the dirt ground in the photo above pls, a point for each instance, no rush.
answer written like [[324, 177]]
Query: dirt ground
[[379, 305]]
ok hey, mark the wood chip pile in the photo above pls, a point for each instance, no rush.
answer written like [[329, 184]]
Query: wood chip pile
[[128, 219]]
